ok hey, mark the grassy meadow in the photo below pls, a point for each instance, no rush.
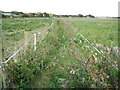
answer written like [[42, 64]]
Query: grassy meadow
[[63, 59], [17, 31], [104, 31]]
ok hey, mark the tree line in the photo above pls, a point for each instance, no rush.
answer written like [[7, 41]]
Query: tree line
[[15, 14]]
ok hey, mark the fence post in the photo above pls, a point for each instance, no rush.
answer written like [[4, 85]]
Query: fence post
[[35, 42]]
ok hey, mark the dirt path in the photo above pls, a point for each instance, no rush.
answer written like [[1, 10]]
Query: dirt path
[[56, 73], [43, 32], [12, 46]]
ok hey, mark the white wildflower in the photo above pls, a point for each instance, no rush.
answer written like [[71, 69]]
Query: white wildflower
[[72, 72], [15, 61], [80, 41], [96, 54], [107, 76], [74, 39]]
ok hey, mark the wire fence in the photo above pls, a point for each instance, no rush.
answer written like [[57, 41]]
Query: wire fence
[[75, 30], [20, 48], [34, 37]]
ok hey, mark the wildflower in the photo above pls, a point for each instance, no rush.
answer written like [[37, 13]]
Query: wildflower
[[96, 54], [100, 46], [15, 61], [74, 38], [80, 41], [107, 76], [72, 72]]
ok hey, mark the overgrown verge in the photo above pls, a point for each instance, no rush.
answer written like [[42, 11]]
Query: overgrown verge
[[68, 61]]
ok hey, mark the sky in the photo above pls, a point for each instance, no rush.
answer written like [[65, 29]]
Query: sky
[[62, 7]]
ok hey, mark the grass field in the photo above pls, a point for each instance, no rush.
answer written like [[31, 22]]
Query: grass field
[[104, 31], [17, 31], [64, 59]]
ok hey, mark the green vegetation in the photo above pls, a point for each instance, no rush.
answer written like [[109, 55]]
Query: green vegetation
[[16, 31], [104, 31], [14, 36], [27, 24], [65, 60], [16, 14], [13, 29]]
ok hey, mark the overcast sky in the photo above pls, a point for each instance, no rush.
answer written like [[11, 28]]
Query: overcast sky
[[94, 7]]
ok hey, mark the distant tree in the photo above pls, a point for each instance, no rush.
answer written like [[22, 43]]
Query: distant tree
[[51, 15], [56, 15], [21, 13], [39, 14], [33, 14], [16, 12], [64, 15], [80, 15], [25, 15], [30, 14], [45, 14], [90, 16]]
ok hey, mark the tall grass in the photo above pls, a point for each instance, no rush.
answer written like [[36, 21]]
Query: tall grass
[[15, 30], [63, 60]]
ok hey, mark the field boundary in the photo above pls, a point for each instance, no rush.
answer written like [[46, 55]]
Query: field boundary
[[84, 65], [90, 44], [33, 36]]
